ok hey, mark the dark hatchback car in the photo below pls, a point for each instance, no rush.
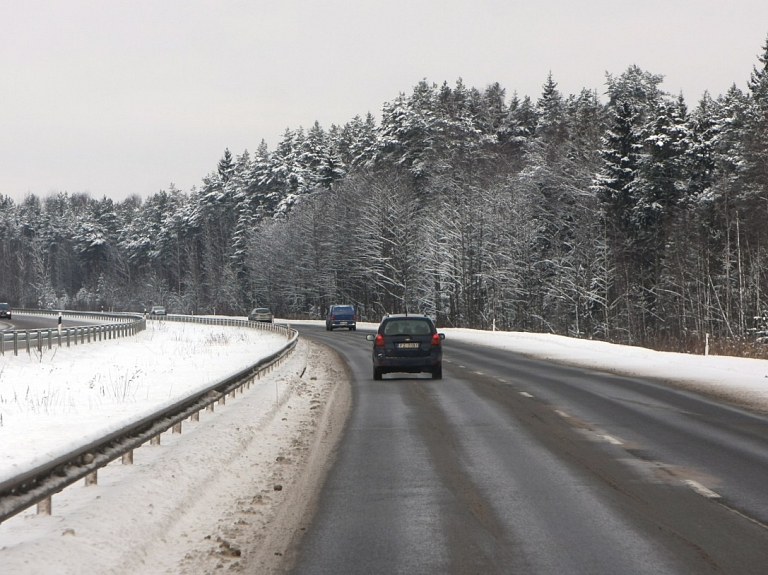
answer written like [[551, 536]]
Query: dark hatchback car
[[5, 310], [341, 316], [407, 343]]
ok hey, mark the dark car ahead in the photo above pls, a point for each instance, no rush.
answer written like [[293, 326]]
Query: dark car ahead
[[407, 343], [5, 310], [341, 316]]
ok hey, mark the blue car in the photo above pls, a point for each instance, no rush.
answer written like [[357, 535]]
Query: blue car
[[341, 316]]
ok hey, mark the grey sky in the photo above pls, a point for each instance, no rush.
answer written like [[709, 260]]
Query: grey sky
[[120, 97]]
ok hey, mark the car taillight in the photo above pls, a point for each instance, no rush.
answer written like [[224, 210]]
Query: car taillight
[[435, 339], [379, 341], [354, 317], [333, 317]]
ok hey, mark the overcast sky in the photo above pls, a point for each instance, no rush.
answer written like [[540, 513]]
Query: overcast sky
[[116, 97]]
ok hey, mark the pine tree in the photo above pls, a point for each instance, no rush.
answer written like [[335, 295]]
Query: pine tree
[[226, 165]]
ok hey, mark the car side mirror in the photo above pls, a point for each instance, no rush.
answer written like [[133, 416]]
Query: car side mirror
[[442, 335], [370, 337]]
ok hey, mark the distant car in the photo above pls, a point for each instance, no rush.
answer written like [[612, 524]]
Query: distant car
[[157, 310], [261, 314], [341, 316], [5, 310], [407, 343]]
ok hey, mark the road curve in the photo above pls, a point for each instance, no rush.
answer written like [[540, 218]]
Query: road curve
[[514, 465]]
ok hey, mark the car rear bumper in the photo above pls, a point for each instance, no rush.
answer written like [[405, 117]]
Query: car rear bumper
[[342, 323], [407, 363]]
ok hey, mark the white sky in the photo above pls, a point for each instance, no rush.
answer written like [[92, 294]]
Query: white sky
[[115, 97]]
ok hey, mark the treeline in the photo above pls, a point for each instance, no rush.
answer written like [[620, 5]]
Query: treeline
[[634, 219]]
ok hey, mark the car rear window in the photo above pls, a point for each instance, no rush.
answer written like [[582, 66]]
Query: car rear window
[[407, 326], [4, 306], [261, 310], [343, 309]]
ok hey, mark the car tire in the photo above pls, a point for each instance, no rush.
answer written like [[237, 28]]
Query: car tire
[[377, 373], [352, 329], [437, 371]]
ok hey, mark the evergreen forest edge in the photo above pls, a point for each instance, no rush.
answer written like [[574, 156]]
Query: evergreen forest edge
[[635, 220]]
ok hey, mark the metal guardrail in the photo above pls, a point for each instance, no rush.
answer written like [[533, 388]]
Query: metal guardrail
[[123, 325], [38, 485]]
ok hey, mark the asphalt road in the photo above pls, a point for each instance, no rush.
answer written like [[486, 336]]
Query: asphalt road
[[513, 465], [21, 321]]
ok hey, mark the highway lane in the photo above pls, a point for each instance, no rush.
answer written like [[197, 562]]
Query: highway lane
[[513, 465], [22, 321]]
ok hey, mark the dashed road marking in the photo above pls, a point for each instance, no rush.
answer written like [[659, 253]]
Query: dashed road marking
[[479, 372], [562, 413], [611, 440], [701, 490], [525, 394]]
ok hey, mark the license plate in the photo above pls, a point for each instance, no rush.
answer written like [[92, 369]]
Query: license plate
[[408, 345]]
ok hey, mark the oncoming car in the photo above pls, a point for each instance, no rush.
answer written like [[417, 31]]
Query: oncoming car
[[261, 314], [407, 343], [157, 310], [5, 310]]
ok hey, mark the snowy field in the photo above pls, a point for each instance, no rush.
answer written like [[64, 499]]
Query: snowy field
[[53, 402]]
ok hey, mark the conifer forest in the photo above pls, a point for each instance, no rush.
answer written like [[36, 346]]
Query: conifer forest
[[629, 216]]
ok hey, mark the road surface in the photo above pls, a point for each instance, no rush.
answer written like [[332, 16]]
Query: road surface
[[515, 465]]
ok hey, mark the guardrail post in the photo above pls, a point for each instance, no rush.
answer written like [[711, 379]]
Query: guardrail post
[[177, 427], [15, 343], [50, 339], [92, 478], [195, 416], [27, 339], [128, 458], [44, 507], [155, 440]]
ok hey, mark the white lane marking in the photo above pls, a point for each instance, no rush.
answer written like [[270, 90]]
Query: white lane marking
[[463, 366], [479, 372], [525, 394], [502, 380], [700, 489], [611, 439], [562, 414]]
